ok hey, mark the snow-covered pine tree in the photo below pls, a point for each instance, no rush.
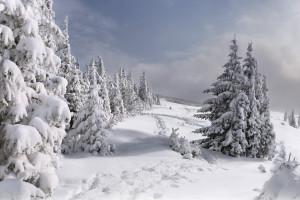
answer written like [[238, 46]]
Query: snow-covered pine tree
[[132, 103], [123, 83], [86, 75], [285, 118], [33, 117], [253, 91], [228, 110], [116, 101], [76, 89], [88, 132], [156, 99], [292, 121], [267, 139], [71, 71], [145, 92], [299, 120], [64, 52], [102, 79]]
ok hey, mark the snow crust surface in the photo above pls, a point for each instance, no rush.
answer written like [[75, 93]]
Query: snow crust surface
[[145, 167]]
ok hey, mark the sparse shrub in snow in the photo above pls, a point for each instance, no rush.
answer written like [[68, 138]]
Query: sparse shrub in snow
[[284, 183], [156, 99], [183, 146]]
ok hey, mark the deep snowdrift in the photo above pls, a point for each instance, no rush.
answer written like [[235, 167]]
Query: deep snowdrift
[[145, 167]]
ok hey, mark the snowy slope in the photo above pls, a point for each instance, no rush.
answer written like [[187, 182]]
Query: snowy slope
[[145, 167]]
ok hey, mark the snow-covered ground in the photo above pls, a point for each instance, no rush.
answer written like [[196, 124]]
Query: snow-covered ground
[[145, 167]]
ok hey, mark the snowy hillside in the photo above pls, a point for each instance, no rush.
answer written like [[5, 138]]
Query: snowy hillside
[[145, 167]]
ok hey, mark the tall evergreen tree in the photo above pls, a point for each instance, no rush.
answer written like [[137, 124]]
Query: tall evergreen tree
[[240, 111], [64, 52], [292, 121], [285, 118], [123, 83], [228, 110], [102, 80], [116, 101], [145, 92], [132, 102], [71, 71], [253, 91], [267, 141], [88, 132], [33, 117]]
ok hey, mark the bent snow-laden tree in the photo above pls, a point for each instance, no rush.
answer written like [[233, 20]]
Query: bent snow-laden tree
[[33, 116], [239, 112]]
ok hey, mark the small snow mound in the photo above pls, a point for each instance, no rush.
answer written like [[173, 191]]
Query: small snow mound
[[19, 190], [262, 168], [285, 182], [48, 182]]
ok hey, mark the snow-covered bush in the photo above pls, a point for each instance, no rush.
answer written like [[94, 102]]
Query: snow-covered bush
[[183, 146], [285, 181]]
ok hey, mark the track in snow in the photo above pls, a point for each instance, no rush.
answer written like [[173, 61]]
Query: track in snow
[[141, 183]]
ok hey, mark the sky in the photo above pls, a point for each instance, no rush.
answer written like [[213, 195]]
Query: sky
[[183, 44]]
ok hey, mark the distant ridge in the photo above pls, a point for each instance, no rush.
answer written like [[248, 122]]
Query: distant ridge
[[182, 101]]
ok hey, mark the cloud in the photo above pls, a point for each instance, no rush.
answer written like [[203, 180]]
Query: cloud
[[272, 26]]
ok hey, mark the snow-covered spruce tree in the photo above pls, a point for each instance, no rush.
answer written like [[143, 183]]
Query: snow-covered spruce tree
[[292, 121], [71, 71], [228, 110], [156, 99], [253, 91], [102, 80], [122, 82], [145, 92], [132, 103], [88, 130], [76, 89], [86, 75], [64, 52], [33, 117], [285, 117], [267, 139], [116, 101]]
